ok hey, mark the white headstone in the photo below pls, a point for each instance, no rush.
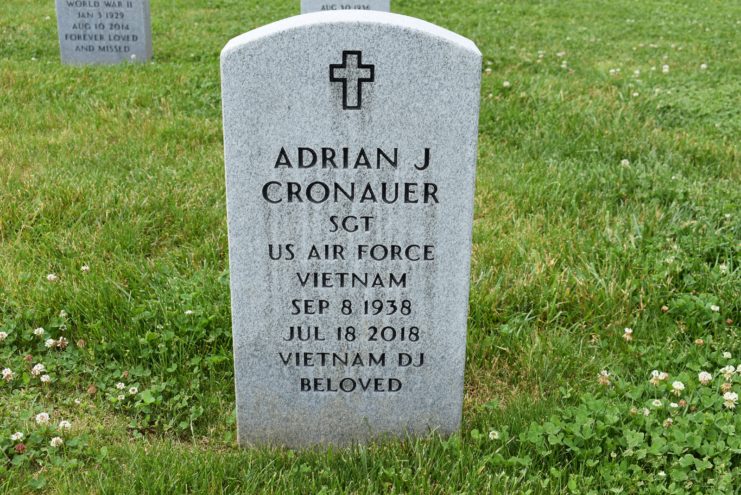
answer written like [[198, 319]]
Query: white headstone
[[330, 5], [104, 31], [350, 146]]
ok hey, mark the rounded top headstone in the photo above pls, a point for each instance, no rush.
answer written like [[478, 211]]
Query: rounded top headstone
[[364, 19], [350, 148]]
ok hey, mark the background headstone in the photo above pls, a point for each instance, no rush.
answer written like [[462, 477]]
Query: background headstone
[[330, 5], [104, 31], [349, 315]]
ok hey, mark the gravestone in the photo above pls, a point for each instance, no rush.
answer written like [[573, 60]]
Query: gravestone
[[104, 31], [330, 5], [350, 149]]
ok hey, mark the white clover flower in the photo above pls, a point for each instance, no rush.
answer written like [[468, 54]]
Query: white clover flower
[[506, 84], [703, 66], [39, 332], [673, 405], [560, 54], [668, 422], [78, 402], [604, 378], [662, 474], [646, 412], [723, 268], [8, 374], [65, 425], [42, 418], [494, 435], [121, 397], [705, 377], [665, 69], [654, 378], [133, 391], [488, 71], [63, 314], [677, 388], [657, 403], [190, 312], [56, 442], [714, 308], [613, 72], [730, 399], [120, 385], [636, 94], [727, 355], [625, 162], [85, 269], [628, 332], [52, 277], [38, 369], [50, 343], [658, 377], [728, 372], [17, 436], [3, 336], [45, 378]]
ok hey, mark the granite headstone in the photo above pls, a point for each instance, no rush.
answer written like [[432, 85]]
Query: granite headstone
[[350, 149], [104, 31], [330, 5]]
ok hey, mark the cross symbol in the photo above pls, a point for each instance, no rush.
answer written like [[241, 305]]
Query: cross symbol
[[352, 73]]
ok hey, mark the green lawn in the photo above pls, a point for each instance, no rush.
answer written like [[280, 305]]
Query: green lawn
[[608, 196]]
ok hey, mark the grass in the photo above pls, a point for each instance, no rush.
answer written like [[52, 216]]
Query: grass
[[121, 168]]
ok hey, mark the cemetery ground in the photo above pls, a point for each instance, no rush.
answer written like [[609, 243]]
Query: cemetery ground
[[605, 294]]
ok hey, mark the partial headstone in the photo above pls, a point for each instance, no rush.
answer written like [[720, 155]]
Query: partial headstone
[[104, 31], [350, 148], [330, 5]]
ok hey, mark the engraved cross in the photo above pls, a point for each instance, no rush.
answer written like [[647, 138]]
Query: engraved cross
[[352, 73]]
